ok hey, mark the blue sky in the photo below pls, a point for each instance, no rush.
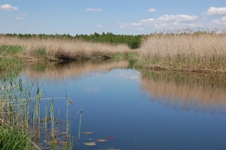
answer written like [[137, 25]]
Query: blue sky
[[116, 16]]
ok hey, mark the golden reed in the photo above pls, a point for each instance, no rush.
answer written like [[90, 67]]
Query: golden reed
[[201, 51]]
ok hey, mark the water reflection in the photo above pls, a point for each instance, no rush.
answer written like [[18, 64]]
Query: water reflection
[[113, 105], [61, 71], [186, 91]]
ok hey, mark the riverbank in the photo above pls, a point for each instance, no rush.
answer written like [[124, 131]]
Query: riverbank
[[187, 52], [203, 52], [59, 49]]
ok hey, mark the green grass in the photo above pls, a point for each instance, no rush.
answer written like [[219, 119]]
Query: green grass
[[41, 53], [21, 124], [11, 139], [10, 64], [12, 49]]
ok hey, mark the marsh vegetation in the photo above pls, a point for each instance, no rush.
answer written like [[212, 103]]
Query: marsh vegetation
[[184, 51], [185, 70], [51, 47], [23, 124]]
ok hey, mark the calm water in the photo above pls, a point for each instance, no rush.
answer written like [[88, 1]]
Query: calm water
[[141, 112]]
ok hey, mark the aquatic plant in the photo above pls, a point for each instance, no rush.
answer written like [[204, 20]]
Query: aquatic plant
[[22, 124]]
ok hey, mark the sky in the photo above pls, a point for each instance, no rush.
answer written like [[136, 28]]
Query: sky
[[117, 16]]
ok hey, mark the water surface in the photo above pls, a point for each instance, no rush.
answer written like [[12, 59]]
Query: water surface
[[141, 110]]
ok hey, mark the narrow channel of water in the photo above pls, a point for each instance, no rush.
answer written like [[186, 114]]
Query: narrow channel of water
[[135, 110]]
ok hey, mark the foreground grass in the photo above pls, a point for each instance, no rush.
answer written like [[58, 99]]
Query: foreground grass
[[196, 52], [14, 139], [22, 123]]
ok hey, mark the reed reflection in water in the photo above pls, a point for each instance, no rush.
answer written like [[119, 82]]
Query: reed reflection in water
[[61, 71], [186, 91]]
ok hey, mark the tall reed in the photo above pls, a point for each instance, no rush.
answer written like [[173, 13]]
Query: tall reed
[[21, 119], [63, 48], [193, 51]]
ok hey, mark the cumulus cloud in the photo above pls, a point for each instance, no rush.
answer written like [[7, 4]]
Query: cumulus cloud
[[165, 21], [93, 9], [215, 11], [177, 18], [223, 19], [151, 10], [219, 22], [8, 7]]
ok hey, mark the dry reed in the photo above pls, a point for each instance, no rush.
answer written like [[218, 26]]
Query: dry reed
[[66, 49], [201, 51]]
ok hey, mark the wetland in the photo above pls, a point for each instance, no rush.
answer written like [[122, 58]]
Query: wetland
[[69, 94]]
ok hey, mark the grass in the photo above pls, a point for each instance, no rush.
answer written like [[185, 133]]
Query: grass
[[10, 64], [23, 125], [13, 139], [186, 50], [14, 49], [65, 49], [40, 53], [193, 51]]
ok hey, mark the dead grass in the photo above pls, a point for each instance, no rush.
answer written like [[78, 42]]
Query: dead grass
[[64, 49], [185, 51]]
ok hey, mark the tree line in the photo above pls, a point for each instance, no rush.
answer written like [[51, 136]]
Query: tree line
[[133, 41]]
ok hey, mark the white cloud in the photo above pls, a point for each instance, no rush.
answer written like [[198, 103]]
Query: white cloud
[[140, 29], [177, 18], [93, 9], [219, 22], [19, 18], [151, 10], [223, 19], [98, 25], [165, 21], [215, 11], [8, 7]]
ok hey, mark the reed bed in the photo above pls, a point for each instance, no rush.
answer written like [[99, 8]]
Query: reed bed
[[63, 48], [186, 51], [185, 91]]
